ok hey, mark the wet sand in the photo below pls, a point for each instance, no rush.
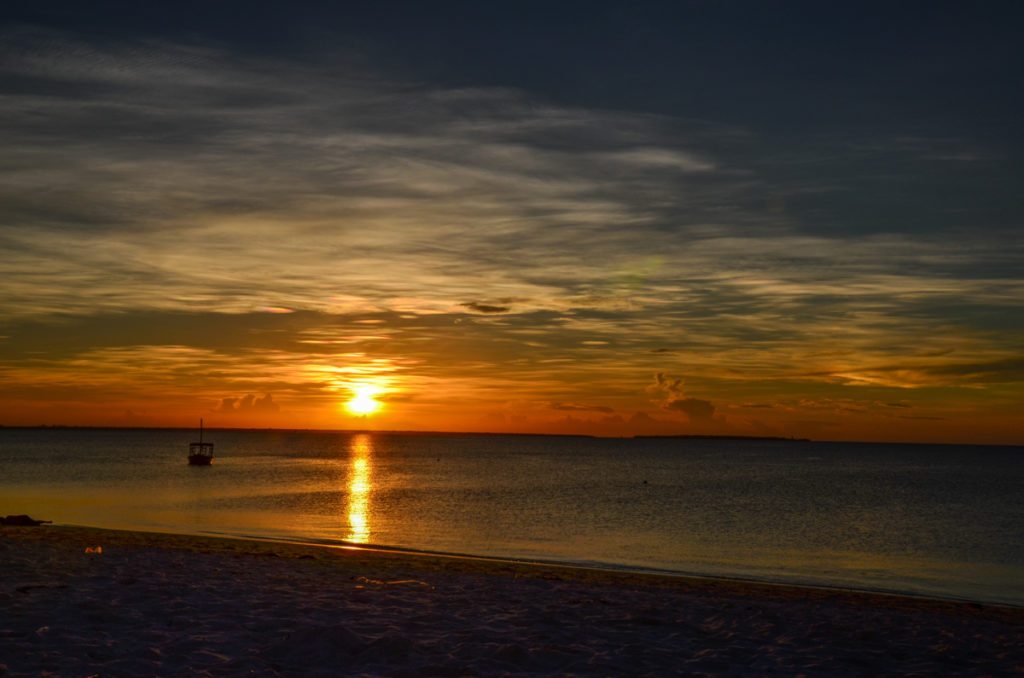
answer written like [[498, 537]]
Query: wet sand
[[173, 605]]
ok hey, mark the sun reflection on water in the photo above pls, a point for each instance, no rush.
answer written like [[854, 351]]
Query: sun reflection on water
[[359, 490]]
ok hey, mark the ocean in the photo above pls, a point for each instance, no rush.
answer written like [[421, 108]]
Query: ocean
[[935, 520]]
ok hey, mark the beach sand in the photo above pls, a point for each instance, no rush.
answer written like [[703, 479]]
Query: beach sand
[[173, 605]]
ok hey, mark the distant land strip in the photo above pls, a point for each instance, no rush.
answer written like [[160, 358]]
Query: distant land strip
[[695, 436]]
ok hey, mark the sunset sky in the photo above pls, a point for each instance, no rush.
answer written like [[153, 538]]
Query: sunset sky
[[742, 218]]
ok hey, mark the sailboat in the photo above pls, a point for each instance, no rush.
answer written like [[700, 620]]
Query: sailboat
[[200, 454]]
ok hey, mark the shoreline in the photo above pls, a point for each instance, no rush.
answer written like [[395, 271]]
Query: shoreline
[[647, 576], [611, 569], [164, 603]]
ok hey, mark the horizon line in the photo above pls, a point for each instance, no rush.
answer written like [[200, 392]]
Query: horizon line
[[684, 436]]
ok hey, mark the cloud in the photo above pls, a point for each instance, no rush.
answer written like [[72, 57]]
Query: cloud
[[928, 372], [485, 308], [695, 409], [674, 399], [838, 405], [198, 171], [663, 382], [575, 407], [248, 403]]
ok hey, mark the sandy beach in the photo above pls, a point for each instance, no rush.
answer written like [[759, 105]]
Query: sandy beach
[[78, 601]]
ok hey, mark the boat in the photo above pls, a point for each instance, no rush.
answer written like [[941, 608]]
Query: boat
[[200, 454]]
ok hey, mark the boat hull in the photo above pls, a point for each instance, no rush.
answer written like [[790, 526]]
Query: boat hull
[[200, 454]]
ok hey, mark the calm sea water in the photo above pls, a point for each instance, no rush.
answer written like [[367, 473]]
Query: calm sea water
[[939, 520]]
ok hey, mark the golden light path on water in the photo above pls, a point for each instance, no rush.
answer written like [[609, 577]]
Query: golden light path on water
[[359, 490]]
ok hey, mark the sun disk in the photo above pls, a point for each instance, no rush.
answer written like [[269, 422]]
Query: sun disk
[[362, 402]]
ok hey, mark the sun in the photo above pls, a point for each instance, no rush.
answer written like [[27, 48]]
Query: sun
[[362, 402]]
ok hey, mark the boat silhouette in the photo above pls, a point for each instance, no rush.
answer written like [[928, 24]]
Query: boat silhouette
[[200, 453]]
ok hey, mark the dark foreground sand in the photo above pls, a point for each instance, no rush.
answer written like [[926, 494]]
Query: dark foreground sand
[[169, 605]]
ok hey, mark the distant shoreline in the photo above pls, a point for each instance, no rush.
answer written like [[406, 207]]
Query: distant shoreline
[[697, 436]]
